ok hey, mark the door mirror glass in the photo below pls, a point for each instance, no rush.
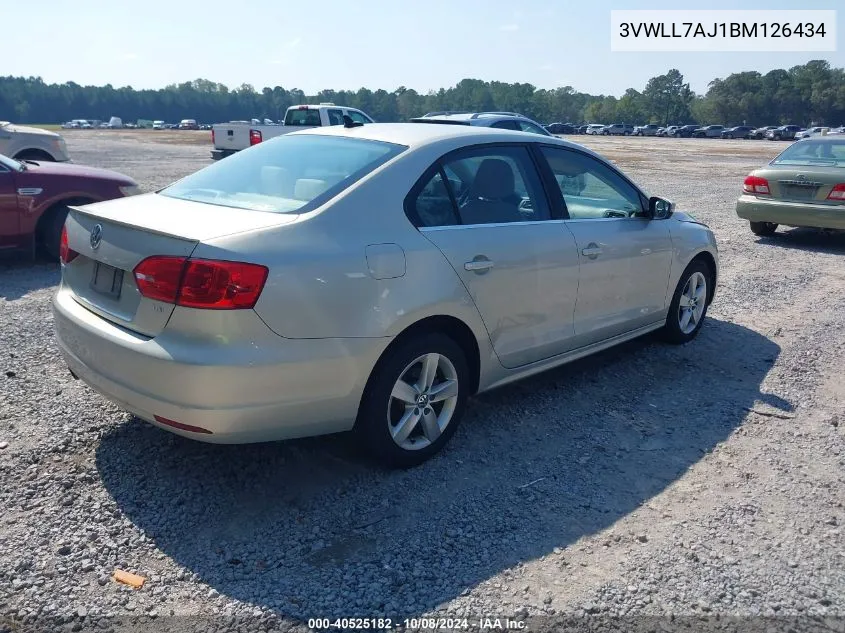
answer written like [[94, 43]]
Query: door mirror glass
[[660, 209]]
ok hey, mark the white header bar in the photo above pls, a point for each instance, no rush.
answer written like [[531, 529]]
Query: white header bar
[[723, 31]]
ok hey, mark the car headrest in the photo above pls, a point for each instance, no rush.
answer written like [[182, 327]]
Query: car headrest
[[276, 181], [494, 180], [309, 188]]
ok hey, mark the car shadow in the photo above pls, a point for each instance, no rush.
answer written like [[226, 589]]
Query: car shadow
[[307, 528], [19, 277], [812, 240]]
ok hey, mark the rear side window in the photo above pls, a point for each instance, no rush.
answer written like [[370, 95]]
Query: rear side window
[[302, 117], [335, 117], [288, 174], [358, 117]]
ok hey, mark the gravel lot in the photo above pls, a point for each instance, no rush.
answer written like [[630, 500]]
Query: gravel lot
[[696, 481]]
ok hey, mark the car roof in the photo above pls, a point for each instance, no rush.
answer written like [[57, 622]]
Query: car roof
[[415, 135]]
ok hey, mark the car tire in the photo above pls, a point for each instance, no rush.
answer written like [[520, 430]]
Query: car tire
[[763, 229], [379, 425], [51, 230], [689, 304]]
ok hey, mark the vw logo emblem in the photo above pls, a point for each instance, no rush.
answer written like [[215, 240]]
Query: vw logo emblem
[[800, 177], [96, 236], [422, 400]]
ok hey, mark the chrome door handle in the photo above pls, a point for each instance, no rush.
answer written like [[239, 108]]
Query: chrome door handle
[[592, 250], [478, 265]]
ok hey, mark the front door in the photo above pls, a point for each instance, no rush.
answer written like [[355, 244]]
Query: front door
[[625, 257], [486, 211], [9, 212]]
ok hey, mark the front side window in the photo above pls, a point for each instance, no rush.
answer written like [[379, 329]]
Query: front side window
[[591, 189], [287, 174], [490, 185]]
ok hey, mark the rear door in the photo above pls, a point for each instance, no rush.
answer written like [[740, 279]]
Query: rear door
[[9, 211], [625, 257], [486, 210]]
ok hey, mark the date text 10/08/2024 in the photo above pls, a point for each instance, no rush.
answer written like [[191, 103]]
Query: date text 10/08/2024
[[418, 624]]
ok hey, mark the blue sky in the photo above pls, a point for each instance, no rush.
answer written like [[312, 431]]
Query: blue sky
[[347, 44]]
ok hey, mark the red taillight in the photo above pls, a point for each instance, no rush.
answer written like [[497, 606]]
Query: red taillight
[[159, 277], [756, 185], [212, 136], [837, 193], [255, 137], [201, 283], [66, 253]]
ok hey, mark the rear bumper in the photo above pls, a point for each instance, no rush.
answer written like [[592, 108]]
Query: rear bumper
[[822, 216], [217, 154], [253, 386]]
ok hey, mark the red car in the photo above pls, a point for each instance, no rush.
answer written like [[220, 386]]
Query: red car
[[34, 197]]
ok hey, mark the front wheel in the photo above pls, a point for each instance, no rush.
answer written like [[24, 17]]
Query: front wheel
[[763, 229], [414, 401], [689, 304]]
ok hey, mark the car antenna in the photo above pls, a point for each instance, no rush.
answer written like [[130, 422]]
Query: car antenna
[[348, 122]]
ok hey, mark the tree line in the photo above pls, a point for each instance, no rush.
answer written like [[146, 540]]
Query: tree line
[[813, 93]]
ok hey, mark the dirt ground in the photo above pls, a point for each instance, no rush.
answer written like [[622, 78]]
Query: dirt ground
[[649, 481]]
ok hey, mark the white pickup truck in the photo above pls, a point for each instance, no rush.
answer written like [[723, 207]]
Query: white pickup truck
[[234, 136]]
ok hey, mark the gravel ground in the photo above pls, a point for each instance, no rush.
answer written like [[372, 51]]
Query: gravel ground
[[653, 484]]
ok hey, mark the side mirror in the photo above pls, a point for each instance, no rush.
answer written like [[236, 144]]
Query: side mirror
[[660, 209]]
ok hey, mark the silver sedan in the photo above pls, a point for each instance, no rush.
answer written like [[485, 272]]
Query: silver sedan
[[369, 278]]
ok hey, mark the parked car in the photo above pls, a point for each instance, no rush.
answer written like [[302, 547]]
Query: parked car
[[188, 124], [618, 129], [35, 196], [499, 120], [237, 304], [31, 143], [582, 129], [803, 186], [232, 137], [760, 132], [783, 133], [560, 128], [738, 131], [158, 125], [813, 131], [646, 130], [594, 129], [685, 131], [709, 131], [667, 131]]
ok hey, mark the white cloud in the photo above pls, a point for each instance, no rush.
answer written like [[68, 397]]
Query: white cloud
[[509, 27]]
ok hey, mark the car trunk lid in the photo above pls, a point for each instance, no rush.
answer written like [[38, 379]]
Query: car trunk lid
[[112, 238], [803, 183]]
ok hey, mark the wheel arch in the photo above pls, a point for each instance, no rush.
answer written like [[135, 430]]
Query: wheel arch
[[34, 153], [54, 207]]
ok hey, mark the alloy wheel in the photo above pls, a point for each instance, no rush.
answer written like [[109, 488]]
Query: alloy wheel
[[692, 303], [422, 401]]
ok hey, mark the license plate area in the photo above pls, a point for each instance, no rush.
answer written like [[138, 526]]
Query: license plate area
[[799, 192], [107, 280]]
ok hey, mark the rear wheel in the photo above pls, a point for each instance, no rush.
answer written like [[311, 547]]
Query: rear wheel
[[763, 229], [689, 304], [50, 233], [414, 401]]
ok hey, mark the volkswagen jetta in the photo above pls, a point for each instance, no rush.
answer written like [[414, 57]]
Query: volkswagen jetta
[[370, 279]]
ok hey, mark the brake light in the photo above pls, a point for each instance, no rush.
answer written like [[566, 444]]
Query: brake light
[[201, 283], [756, 185], [255, 137], [66, 253], [212, 137], [837, 193]]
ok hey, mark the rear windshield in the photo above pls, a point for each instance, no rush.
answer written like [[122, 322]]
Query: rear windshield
[[814, 152], [302, 117], [288, 174]]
